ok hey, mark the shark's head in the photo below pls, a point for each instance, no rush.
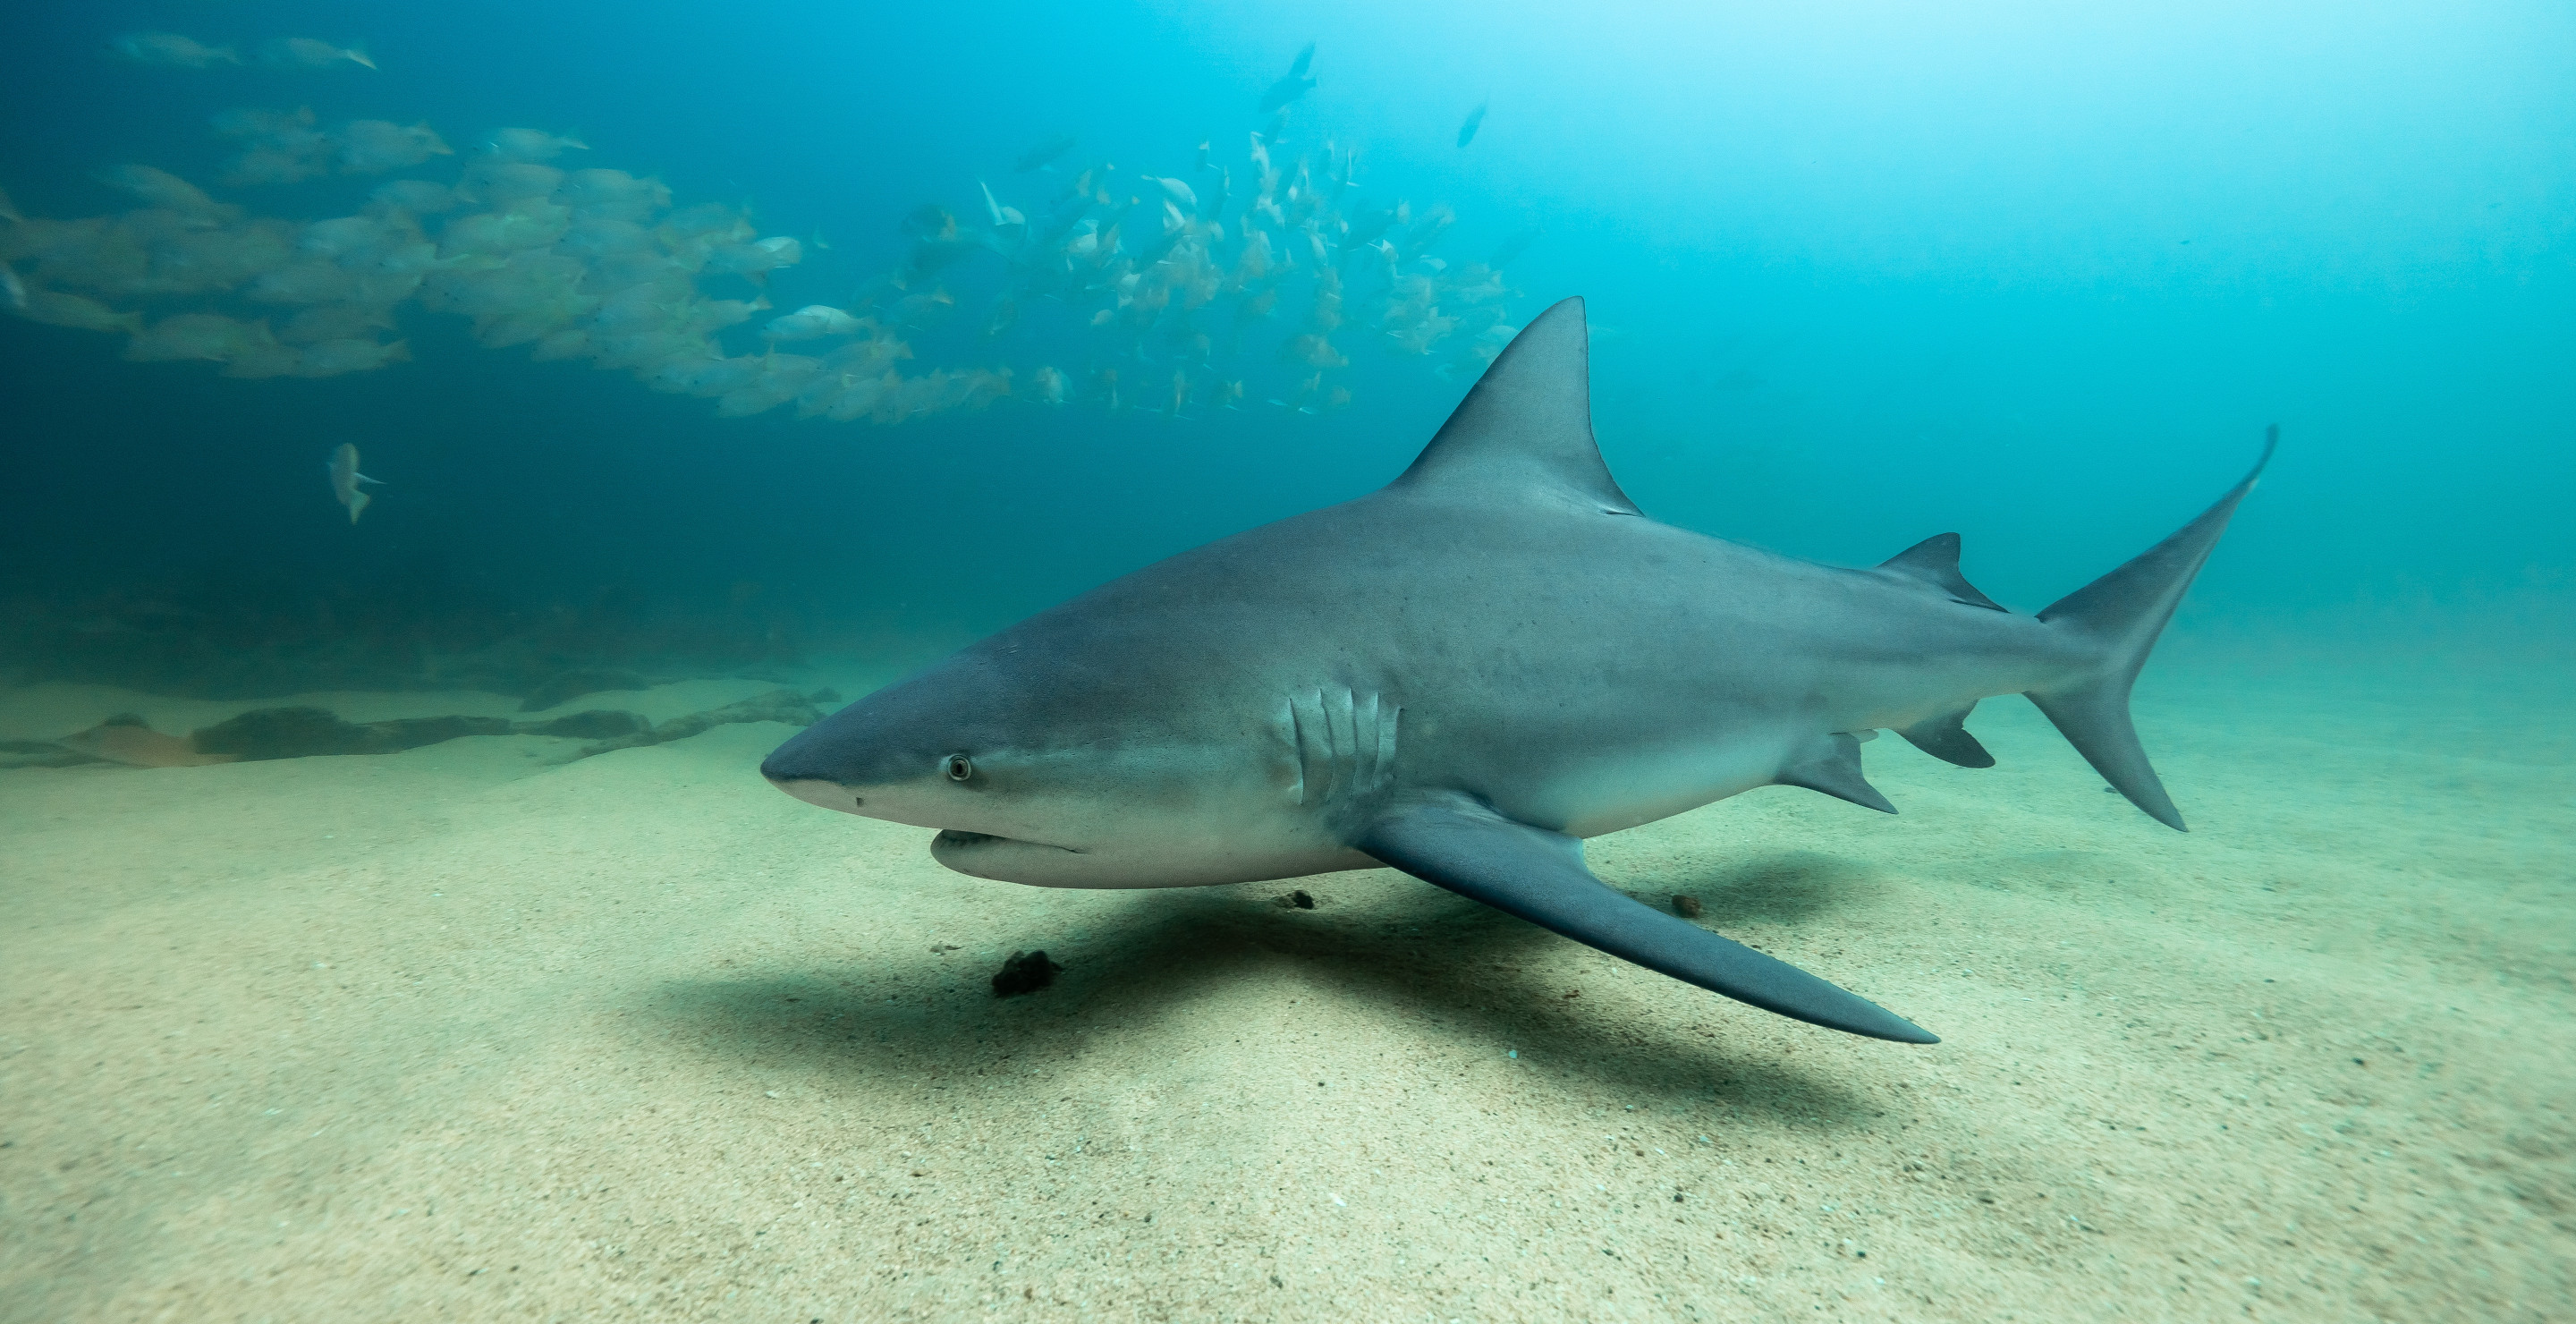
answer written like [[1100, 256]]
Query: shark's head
[[1030, 774]]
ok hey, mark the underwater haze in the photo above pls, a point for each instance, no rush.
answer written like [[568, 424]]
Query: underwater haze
[[450, 445]]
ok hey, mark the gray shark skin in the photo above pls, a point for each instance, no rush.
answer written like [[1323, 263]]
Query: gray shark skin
[[1463, 675]]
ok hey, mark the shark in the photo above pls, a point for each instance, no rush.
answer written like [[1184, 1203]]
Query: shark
[[1467, 673]]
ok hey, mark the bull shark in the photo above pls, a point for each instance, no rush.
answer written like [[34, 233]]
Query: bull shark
[[1465, 674]]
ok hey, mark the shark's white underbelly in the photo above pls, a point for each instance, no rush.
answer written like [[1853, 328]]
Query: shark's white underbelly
[[1620, 789]]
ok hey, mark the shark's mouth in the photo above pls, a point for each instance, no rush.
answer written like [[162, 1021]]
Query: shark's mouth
[[955, 839]]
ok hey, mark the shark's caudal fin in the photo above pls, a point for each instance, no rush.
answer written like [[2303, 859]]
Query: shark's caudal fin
[[2120, 615], [1528, 424]]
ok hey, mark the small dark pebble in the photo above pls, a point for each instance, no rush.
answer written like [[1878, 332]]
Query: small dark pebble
[[1686, 906], [1024, 972], [1297, 900], [2110, 790]]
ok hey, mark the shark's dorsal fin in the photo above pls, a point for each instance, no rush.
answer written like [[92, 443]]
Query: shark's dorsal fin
[[1528, 423], [1935, 561]]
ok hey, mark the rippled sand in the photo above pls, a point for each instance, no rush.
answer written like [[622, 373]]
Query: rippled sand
[[464, 1032]]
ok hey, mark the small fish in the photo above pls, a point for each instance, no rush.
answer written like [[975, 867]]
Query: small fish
[[531, 145], [79, 312], [211, 337], [415, 195], [160, 188], [170, 50], [368, 147], [1002, 216], [1038, 157], [306, 53], [810, 322], [343, 469], [754, 261], [500, 181], [1475, 120], [1292, 87]]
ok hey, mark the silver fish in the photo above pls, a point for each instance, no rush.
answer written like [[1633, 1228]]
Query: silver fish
[[345, 478]]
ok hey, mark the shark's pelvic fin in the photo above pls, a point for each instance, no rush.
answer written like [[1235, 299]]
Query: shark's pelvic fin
[[1946, 738], [1455, 842], [2121, 614], [1835, 770], [1935, 561], [1528, 423]]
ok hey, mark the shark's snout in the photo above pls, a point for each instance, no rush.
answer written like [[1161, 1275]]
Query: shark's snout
[[818, 791], [819, 769]]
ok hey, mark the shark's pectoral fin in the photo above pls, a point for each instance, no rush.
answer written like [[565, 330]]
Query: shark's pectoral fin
[[1946, 738], [1455, 842], [1834, 768]]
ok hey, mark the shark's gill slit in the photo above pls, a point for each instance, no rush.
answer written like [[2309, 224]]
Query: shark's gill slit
[[1318, 754], [1296, 749], [1341, 712], [1364, 731]]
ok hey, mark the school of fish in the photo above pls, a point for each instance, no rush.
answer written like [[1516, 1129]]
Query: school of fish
[[1251, 277]]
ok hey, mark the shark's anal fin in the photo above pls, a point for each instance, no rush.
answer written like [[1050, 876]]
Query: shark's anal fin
[[1935, 561], [1834, 768], [1455, 842], [1945, 737]]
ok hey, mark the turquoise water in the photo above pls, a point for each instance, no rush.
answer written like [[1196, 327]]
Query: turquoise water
[[1863, 277], [1857, 275]]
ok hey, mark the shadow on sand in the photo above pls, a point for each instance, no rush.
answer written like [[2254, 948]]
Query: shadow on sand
[[1473, 975], [1785, 887]]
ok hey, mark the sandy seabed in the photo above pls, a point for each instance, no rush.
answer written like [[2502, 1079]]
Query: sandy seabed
[[468, 1032]]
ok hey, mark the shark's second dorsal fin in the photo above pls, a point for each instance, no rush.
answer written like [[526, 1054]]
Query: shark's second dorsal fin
[[1935, 561], [1528, 423]]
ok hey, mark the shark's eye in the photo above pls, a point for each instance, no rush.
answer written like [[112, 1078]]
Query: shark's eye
[[959, 767]]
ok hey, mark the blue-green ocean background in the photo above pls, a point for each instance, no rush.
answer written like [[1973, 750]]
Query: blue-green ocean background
[[1862, 273]]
